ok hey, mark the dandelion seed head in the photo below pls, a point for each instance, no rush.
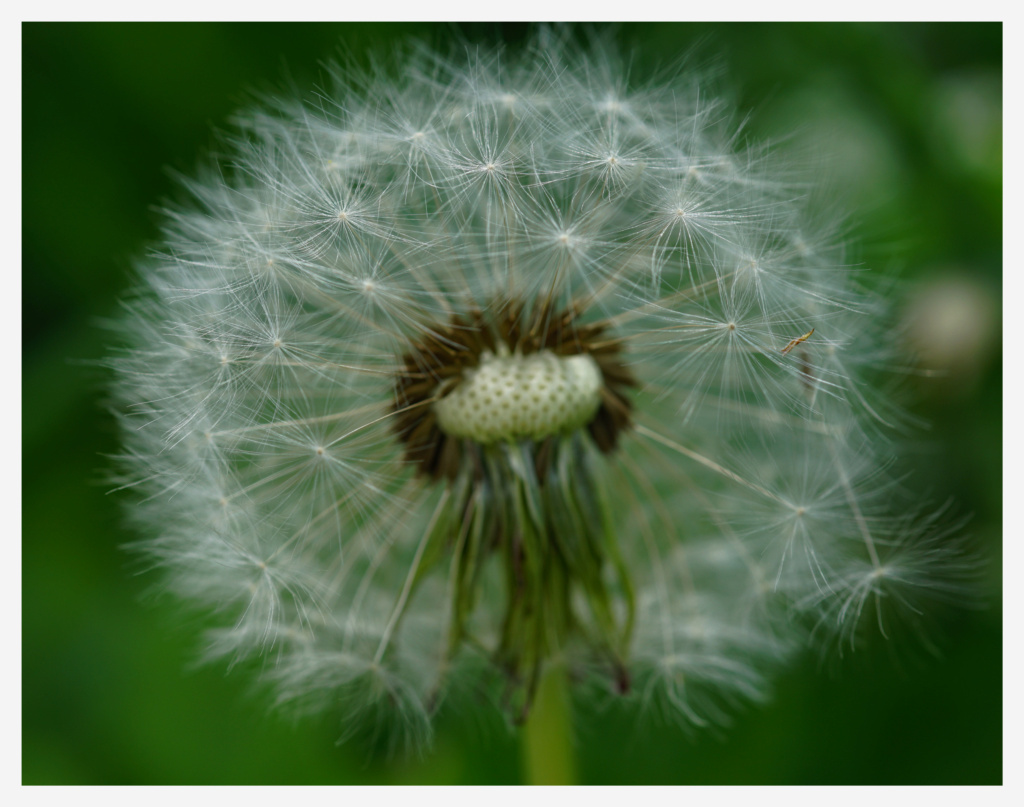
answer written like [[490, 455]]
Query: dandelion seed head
[[501, 361]]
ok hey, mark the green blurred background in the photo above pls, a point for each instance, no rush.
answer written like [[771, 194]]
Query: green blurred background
[[908, 119]]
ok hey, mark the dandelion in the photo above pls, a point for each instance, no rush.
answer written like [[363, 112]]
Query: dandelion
[[500, 366]]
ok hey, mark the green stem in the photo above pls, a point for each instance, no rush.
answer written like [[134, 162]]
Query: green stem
[[546, 736]]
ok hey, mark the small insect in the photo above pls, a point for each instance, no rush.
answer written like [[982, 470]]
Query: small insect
[[794, 342]]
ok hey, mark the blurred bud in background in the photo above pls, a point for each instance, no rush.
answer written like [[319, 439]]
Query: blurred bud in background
[[953, 326]]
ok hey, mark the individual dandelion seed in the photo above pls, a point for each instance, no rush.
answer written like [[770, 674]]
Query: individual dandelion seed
[[487, 367]]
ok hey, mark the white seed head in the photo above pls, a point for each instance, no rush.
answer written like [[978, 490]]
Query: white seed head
[[445, 329], [514, 397]]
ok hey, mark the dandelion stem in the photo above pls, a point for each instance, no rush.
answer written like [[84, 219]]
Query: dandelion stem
[[546, 737]]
